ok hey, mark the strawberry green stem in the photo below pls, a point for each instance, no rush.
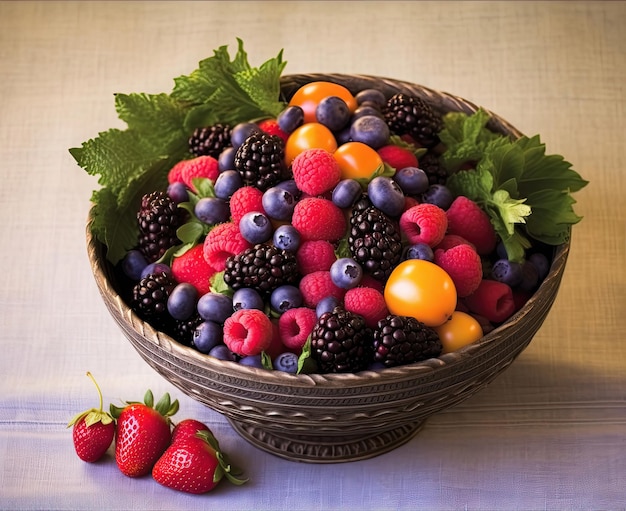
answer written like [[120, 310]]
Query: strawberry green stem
[[97, 387]]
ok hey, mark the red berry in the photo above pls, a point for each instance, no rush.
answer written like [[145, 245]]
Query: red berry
[[467, 219], [464, 266], [199, 167], [271, 127], [175, 173], [223, 241], [295, 326], [424, 223], [318, 219], [367, 302], [93, 431], [318, 285], [452, 240], [493, 300], [397, 157], [315, 255], [187, 428], [192, 267], [248, 332], [245, 200], [315, 171]]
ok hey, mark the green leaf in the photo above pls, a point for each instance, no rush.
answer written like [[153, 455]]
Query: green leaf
[[218, 285], [476, 184], [304, 355], [511, 211], [191, 232], [266, 361], [204, 187]]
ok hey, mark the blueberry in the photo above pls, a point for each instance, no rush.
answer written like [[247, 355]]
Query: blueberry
[[212, 210], [227, 183], [332, 112], [420, 251], [412, 180], [285, 297], [216, 307], [371, 95], [439, 195], [226, 159], [508, 272], [542, 264], [133, 264], [290, 118], [278, 203], [177, 191], [222, 352], [207, 336], [346, 193], [346, 273], [287, 237], [155, 268], [247, 298], [530, 277], [241, 132], [326, 305], [255, 227], [343, 136], [251, 361], [501, 251], [286, 362], [371, 130], [181, 303], [291, 186], [364, 110], [386, 195]]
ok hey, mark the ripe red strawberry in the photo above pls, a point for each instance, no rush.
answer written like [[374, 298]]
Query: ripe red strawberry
[[195, 464], [191, 267], [143, 433], [398, 157], [93, 431], [187, 428]]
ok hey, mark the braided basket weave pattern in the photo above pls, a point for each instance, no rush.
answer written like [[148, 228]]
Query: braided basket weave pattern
[[335, 417]]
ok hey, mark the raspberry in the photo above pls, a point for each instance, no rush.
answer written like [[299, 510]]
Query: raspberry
[[318, 219], [315, 171], [369, 281], [452, 240], [315, 255], [248, 332], [409, 202], [493, 300], [223, 241], [191, 267], [245, 200], [317, 286], [295, 326], [271, 127], [367, 302], [276, 346], [200, 166], [468, 220], [397, 157], [424, 223], [174, 175], [463, 265]]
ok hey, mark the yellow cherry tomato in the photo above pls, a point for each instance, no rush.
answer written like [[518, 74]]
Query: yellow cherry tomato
[[310, 94], [309, 136], [460, 330], [357, 160], [422, 290]]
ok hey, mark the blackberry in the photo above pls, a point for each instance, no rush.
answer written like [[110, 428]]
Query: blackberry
[[375, 241], [411, 115], [183, 330], [260, 160], [210, 140], [400, 340], [149, 299], [262, 267], [436, 172], [341, 342], [158, 218]]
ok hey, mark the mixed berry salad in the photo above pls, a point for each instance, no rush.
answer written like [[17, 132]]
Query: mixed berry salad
[[333, 230]]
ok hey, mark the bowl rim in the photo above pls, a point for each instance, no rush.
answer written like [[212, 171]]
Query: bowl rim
[[102, 269]]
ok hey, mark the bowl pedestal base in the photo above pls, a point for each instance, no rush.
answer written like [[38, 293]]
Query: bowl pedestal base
[[327, 449]]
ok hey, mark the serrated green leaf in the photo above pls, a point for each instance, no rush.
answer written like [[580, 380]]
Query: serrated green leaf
[[476, 184]]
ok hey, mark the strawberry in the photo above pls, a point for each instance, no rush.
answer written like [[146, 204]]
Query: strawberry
[[93, 431], [195, 464], [143, 433], [187, 428]]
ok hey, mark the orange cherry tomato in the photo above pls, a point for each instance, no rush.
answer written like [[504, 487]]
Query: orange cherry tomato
[[357, 160], [422, 290], [310, 94], [309, 136], [460, 330]]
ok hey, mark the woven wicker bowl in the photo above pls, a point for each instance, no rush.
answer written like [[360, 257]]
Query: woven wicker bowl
[[335, 417]]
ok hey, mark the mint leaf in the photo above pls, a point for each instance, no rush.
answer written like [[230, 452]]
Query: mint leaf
[[476, 184]]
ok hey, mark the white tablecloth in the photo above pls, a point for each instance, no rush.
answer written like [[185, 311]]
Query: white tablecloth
[[550, 433]]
